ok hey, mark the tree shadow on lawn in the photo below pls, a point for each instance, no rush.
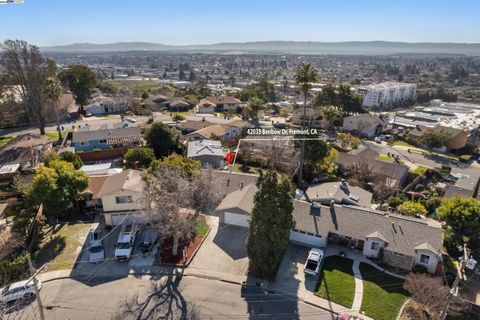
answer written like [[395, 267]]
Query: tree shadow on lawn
[[383, 295], [337, 282], [50, 250], [163, 301]]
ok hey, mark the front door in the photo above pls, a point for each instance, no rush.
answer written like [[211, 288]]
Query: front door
[[360, 244]]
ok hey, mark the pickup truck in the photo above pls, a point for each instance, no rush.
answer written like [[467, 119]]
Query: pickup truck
[[314, 262], [126, 240]]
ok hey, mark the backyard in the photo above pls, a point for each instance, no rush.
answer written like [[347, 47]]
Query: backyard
[[383, 295], [60, 246], [337, 281]]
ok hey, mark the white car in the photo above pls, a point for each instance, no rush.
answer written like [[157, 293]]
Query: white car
[[378, 140], [19, 290], [131, 120], [96, 250], [314, 262]]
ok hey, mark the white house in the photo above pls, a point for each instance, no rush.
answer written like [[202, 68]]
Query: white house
[[122, 194]]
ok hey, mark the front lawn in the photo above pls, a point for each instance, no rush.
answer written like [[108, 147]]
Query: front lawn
[[402, 144], [4, 140], [383, 157], [202, 226], [53, 135], [59, 248], [383, 295], [419, 170], [337, 281]]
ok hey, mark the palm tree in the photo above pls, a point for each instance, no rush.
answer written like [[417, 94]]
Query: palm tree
[[304, 76], [330, 114], [254, 105], [53, 90]]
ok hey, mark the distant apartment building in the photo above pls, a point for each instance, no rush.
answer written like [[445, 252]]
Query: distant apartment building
[[387, 93]]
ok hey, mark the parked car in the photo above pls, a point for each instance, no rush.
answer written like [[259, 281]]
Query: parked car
[[378, 140], [314, 262], [88, 114], [346, 316], [19, 290], [126, 240], [131, 120], [148, 239], [96, 249]]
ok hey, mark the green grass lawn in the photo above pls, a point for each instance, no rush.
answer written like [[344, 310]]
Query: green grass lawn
[[402, 144], [383, 295], [419, 170], [202, 226], [4, 140], [383, 157], [53, 135], [337, 281], [59, 248]]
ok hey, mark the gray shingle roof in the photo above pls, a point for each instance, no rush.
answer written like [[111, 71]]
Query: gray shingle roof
[[205, 147], [334, 191], [402, 234], [228, 182], [240, 199], [84, 136], [131, 180]]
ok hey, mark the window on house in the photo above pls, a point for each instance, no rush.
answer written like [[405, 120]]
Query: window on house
[[103, 141], [395, 253], [123, 199], [424, 259], [375, 246]]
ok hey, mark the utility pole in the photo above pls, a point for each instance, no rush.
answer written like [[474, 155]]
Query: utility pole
[[460, 275], [35, 282]]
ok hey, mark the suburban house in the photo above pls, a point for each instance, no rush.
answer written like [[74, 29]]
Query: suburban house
[[365, 124], [313, 118], [219, 104], [392, 174], [228, 182], [236, 207], [339, 192], [102, 105], [120, 194], [7, 173], [90, 140], [223, 132], [466, 183], [209, 152], [398, 241], [172, 104], [26, 150], [457, 138]]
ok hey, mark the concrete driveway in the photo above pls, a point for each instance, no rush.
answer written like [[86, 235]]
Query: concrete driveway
[[223, 250], [290, 276]]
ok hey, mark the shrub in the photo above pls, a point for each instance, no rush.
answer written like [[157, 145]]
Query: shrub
[[14, 269], [411, 208], [465, 158], [143, 155], [72, 158]]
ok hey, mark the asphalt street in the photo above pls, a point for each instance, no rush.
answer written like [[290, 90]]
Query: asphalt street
[[165, 298]]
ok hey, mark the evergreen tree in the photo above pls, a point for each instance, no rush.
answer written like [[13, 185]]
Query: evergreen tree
[[270, 224]]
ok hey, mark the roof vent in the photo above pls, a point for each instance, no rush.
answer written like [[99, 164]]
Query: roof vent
[[393, 226]]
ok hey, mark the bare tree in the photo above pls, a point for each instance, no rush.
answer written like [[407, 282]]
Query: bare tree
[[123, 98], [168, 192], [205, 192], [25, 67], [431, 293], [381, 189]]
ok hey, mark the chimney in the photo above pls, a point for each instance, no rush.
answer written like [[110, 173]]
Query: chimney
[[393, 226], [332, 204], [241, 185]]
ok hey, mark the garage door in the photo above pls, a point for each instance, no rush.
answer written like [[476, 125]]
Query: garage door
[[236, 219], [307, 239]]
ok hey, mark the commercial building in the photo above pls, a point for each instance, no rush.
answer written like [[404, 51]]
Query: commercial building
[[387, 93]]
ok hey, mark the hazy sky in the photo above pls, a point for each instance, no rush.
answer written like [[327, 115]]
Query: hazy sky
[[52, 22]]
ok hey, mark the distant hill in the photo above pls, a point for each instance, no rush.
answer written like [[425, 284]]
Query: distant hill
[[286, 47]]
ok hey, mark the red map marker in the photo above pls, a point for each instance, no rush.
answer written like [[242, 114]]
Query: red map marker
[[230, 157]]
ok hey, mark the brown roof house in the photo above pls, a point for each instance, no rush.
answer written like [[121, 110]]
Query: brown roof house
[[222, 132], [393, 175], [27, 150], [121, 194], [219, 104], [457, 138], [398, 241]]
